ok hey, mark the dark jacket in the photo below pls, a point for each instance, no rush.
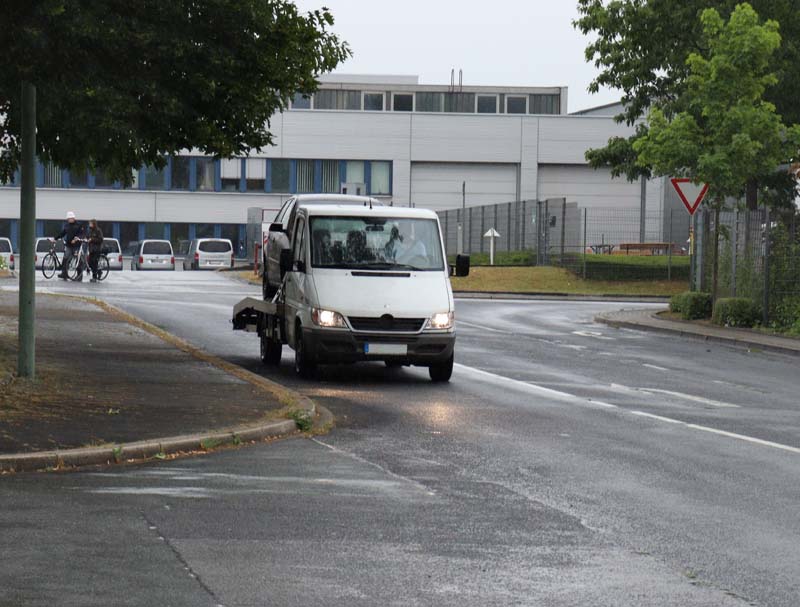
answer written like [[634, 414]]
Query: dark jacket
[[95, 240], [70, 232]]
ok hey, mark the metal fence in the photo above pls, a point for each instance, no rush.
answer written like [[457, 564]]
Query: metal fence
[[757, 257]]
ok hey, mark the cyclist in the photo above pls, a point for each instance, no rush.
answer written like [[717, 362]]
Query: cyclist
[[95, 237], [71, 233]]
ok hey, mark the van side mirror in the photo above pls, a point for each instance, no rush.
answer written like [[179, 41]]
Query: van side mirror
[[286, 261], [276, 227], [461, 269]]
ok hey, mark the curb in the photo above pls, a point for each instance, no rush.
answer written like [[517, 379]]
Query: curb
[[677, 331], [534, 295], [141, 450]]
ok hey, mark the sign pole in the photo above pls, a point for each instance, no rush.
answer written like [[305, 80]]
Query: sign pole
[[26, 358]]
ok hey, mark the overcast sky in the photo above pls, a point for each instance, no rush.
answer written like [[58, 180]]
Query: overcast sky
[[499, 42]]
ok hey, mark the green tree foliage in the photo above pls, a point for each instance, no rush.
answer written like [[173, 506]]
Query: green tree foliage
[[641, 47], [121, 83], [726, 134]]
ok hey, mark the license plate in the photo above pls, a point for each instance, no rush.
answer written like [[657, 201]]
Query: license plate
[[386, 349]]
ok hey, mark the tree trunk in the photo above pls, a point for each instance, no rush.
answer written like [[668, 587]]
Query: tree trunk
[[27, 222], [752, 195]]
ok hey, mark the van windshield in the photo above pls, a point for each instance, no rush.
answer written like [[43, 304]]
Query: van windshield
[[156, 247], [376, 243], [214, 246], [112, 246], [5, 247]]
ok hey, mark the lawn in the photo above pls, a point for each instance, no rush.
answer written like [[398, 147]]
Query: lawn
[[558, 280]]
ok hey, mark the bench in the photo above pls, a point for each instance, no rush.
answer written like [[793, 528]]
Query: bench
[[646, 248]]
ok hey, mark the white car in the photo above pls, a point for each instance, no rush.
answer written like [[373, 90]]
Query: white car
[[209, 254], [368, 283], [153, 255], [43, 248], [113, 251], [7, 253]]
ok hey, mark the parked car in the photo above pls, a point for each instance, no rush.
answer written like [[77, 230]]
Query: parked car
[[278, 239], [113, 251], [153, 255], [43, 248], [208, 254], [7, 253]]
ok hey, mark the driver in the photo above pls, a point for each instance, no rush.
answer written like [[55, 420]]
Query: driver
[[409, 247]]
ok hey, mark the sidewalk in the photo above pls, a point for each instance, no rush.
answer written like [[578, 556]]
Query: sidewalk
[[649, 320], [101, 380]]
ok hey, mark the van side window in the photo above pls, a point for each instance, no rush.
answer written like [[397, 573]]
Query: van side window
[[299, 253]]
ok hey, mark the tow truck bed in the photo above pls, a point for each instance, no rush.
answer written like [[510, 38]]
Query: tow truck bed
[[253, 315]]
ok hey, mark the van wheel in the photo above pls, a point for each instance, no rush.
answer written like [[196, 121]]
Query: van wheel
[[441, 372], [303, 365], [271, 351]]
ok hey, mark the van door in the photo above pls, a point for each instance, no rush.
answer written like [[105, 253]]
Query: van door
[[295, 288]]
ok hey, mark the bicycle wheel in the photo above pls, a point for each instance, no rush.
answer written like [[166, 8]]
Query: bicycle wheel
[[49, 265], [72, 268], [102, 267]]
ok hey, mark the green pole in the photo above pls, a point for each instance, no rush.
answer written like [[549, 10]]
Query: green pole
[[27, 214]]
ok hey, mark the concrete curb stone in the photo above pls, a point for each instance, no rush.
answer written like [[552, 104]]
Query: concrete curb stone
[[533, 295]]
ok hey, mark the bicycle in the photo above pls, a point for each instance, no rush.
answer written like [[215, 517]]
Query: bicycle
[[51, 262], [80, 263]]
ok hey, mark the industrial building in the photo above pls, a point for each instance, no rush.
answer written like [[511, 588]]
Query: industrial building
[[387, 136]]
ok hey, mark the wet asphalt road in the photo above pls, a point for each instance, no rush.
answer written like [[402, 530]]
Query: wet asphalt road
[[566, 464]]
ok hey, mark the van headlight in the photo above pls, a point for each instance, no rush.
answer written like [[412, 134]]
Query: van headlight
[[441, 321], [328, 319]]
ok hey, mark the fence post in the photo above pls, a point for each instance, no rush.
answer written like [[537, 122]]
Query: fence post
[[538, 232], [483, 225], [585, 222], [734, 250], [669, 248], [523, 219], [767, 235], [508, 230], [469, 232], [563, 227]]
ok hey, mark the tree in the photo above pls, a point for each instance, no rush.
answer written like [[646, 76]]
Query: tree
[[641, 49], [119, 84], [727, 135]]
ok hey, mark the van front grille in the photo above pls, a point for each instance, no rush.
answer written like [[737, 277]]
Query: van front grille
[[387, 323]]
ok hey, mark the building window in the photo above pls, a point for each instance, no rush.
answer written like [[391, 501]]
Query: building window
[[179, 237], [101, 179], [52, 176], [204, 174], [355, 171], [487, 104], [204, 230], [230, 174], [373, 102], [280, 174], [134, 181], [429, 102], [154, 231], [180, 173], [381, 178], [333, 99], [301, 102], [255, 174], [78, 179], [403, 102], [545, 104], [516, 105], [330, 176], [305, 176], [154, 179], [460, 103]]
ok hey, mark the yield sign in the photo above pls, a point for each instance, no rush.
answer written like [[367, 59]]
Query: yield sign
[[691, 194]]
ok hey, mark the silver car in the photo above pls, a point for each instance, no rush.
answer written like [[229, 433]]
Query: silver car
[[153, 255], [7, 253], [278, 240], [209, 254], [113, 251], [43, 248]]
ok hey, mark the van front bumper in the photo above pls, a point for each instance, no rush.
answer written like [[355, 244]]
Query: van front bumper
[[331, 346]]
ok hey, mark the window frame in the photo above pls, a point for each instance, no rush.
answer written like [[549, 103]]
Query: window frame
[[364, 100], [515, 96], [406, 94], [302, 109], [496, 103]]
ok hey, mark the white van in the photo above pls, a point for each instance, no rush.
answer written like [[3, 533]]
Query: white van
[[209, 254], [43, 247], [368, 283], [7, 253], [153, 255]]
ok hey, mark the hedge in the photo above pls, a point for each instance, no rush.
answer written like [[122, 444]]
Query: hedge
[[625, 267], [736, 312], [691, 305]]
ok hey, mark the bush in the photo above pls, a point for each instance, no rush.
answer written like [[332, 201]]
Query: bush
[[736, 312], [624, 267], [3, 263], [691, 305], [785, 315]]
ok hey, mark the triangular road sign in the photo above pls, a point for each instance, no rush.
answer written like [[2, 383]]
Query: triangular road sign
[[491, 233], [690, 193]]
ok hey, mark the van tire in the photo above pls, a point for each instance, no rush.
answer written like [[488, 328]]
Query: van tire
[[441, 372], [304, 366], [271, 351]]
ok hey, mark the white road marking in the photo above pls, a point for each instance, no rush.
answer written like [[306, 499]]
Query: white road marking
[[473, 325], [691, 397], [572, 399], [593, 334], [656, 367]]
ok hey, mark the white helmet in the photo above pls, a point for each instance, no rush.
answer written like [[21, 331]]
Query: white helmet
[[70, 215]]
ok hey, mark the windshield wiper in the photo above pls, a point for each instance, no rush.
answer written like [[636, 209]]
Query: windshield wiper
[[382, 265]]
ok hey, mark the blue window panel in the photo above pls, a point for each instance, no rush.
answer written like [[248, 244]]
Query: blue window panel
[[292, 176], [168, 175], [115, 230], [39, 174], [17, 178], [192, 231], [14, 235], [90, 181], [243, 178], [192, 174], [140, 180], [243, 235], [317, 176], [64, 178], [142, 232], [217, 230], [368, 176], [39, 228], [268, 179], [217, 176], [167, 231], [343, 171]]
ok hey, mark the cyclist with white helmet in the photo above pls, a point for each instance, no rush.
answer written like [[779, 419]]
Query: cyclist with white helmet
[[71, 233]]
